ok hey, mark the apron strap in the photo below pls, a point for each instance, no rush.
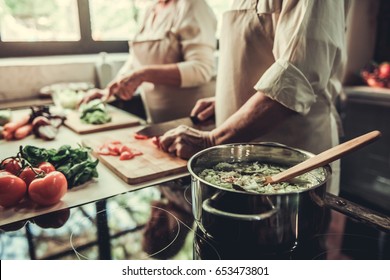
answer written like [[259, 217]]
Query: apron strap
[[146, 18]]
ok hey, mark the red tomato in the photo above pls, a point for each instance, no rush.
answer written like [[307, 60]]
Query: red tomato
[[11, 165], [28, 175], [140, 137], [48, 190], [47, 167], [12, 189]]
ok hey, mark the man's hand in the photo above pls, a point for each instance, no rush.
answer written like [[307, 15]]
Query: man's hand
[[185, 141], [204, 108]]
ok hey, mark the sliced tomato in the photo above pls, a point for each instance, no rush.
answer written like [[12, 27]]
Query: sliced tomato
[[137, 153], [125, 148], [114, 149], [126, 156], [140, 136]]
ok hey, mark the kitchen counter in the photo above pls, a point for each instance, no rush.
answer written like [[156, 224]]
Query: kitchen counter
[[107, 185], [109, 219]]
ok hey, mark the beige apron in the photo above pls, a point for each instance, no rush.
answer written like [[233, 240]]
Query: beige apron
[[245, 54], [163, 103]]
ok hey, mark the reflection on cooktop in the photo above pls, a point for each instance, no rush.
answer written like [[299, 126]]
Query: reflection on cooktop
[[157, 223]]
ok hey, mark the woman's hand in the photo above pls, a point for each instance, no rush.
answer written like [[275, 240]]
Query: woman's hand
[[185, 141], [127, 85], [204, 108], [94, 94]]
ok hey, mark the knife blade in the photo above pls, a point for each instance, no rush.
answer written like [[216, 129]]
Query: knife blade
[[159, 129]]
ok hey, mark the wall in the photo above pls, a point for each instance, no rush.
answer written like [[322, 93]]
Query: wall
[[361, 37], [22, 78]]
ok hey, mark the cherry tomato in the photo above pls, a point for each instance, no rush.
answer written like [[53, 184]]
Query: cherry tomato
[[47, 167], [48, 190], [11, 165], [12, 189], [28, 175]]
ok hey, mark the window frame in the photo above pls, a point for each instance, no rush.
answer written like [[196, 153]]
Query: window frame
[[86, 45]]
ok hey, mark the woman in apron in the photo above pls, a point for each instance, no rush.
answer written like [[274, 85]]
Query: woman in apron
[[171, 59]]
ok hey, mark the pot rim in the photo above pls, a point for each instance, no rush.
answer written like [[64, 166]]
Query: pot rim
[[327, 169]]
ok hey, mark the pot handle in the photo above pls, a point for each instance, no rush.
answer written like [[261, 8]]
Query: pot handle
[[358, 212], [206, 205]]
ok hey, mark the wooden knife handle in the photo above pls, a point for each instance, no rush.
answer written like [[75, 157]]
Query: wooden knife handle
[[325, 157]]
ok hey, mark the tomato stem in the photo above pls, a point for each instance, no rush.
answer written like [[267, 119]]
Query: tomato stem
[[24, 163]]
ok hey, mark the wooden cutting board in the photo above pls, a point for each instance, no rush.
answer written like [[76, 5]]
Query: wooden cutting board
[[153, 164], [119, 119]]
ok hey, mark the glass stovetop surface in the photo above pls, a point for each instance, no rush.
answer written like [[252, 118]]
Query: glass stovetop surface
[[157, 223]]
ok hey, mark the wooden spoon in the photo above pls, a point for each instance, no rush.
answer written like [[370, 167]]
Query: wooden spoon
[[324, 157]]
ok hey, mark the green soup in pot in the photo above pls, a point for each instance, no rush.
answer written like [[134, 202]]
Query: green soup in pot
[[249, 176]]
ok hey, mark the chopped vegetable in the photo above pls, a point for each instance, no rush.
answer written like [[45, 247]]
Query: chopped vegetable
[[94, 112], [140, 136], [116, 148], [67, 98], [250, 177]]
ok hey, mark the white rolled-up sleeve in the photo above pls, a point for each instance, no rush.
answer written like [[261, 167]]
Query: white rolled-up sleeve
[[307, 42], [196, 29]]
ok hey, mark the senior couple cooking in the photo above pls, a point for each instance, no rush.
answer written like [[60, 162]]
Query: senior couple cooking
[[280, 65]]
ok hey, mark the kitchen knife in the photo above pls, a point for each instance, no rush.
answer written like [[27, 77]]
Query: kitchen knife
[[159, 129]]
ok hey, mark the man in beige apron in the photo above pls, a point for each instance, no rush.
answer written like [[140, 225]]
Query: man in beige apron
[[171, 59], [278, 77]]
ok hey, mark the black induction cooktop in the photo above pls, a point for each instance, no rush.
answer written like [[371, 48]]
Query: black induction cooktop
[[157, 223]]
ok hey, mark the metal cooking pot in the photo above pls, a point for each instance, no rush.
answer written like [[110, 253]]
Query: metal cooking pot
[[272, 222]]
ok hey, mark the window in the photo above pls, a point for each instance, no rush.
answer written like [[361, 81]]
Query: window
[[116, 22], [54, 27], [39, 21]]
